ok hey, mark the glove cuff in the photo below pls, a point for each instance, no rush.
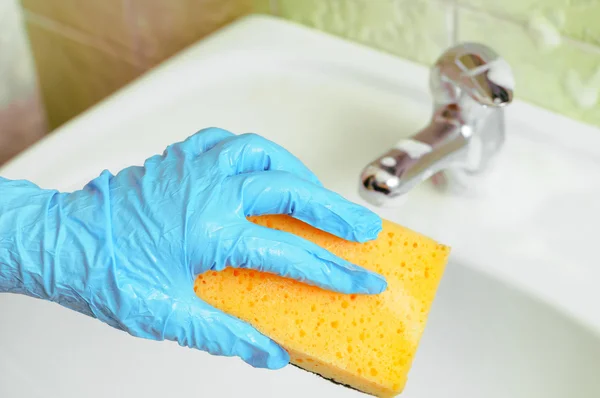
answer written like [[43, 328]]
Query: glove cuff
[[52, 243]]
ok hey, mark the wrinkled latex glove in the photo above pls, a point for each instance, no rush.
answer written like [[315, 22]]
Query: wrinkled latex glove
[[127, 248]]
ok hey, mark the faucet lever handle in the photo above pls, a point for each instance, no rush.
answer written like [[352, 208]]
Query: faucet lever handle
[[475, 70]]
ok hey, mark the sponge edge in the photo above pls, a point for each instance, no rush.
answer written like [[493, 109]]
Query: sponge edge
[[365, 342]]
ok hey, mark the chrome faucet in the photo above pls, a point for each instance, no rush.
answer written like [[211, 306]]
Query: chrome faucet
[[470, 84]]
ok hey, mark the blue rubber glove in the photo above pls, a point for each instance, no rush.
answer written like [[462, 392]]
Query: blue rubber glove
[[126, 249]]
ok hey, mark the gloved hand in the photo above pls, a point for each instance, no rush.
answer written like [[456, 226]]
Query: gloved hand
[[127, 248]]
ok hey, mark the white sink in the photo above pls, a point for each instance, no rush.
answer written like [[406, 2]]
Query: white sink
[[516, 315]]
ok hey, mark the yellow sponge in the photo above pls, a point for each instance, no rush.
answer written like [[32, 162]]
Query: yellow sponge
[[365, 342]]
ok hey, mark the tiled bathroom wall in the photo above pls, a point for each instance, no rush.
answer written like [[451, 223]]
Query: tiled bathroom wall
[[21, 115], [86, 49], [552, 45]]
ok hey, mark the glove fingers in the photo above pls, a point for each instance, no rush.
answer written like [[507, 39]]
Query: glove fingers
[[204, 140], [249, 153], [283, 193], [200, 326], [290, 256]]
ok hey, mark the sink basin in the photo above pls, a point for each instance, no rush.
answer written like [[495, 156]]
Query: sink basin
[[516, 315]]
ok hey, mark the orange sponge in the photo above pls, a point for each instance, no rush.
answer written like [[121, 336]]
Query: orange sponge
[[365, 342]]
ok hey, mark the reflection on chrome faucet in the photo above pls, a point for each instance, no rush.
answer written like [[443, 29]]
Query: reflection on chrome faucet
[[470, 84]]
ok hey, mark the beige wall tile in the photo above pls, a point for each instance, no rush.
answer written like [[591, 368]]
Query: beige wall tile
[[87, 49], [415, 29], [74, 76], [108, 20], [163, 28], [145, 31], [565, 79]]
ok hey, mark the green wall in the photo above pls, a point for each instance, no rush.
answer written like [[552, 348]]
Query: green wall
[[552, 45]]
